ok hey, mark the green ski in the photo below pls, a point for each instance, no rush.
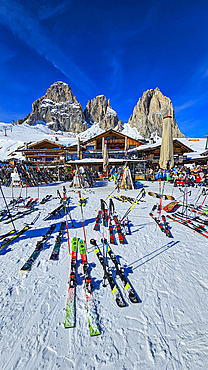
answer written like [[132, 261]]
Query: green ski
[[91, 308]]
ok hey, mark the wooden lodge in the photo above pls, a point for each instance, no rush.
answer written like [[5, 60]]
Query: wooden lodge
[[117, 144], [44, 152], [47, 152], [151, 152], [120, 147]]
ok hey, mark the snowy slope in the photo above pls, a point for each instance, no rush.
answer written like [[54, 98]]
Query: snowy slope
[[167, 330], [18, 134]]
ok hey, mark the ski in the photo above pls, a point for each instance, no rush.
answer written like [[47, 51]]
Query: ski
[[125, 226], [70, 319], [118, 227], [29, 202], [39, 246], [94, 326], [120, 271], [7, 241], [117, 198], [45, 199], [97, 221], [55, 251], [20, 215], [158, 222], [7, 234], [33, 202], [127, 199], [167, 231], [112, 238], [114, 287], [54, 212], [188, 224], [191, 222], [158, 195]]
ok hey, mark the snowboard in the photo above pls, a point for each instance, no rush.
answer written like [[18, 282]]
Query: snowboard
[[172, 206]]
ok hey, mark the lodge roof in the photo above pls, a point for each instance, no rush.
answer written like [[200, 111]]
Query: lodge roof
[[176, 143], [115, 133], [55, 145]]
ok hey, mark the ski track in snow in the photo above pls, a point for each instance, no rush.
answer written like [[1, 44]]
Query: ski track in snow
[[168, 329]]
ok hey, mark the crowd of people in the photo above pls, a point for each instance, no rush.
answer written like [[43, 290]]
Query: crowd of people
[[195, 175]]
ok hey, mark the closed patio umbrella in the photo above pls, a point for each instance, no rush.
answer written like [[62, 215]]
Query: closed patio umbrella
[[78, 147], [105, 158], [166, 149]]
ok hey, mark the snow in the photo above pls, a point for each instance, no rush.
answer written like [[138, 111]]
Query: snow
[[167, 330], [110, 112], [92, 131], [131, 131], [17, 135]]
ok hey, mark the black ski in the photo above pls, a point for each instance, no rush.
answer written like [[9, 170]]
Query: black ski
[[45, 199], [97, 221], [7, 241], [55, 251], [54, 212], [120, 271], [114, 287]]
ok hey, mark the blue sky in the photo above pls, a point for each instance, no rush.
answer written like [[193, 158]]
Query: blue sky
[[116, 48]]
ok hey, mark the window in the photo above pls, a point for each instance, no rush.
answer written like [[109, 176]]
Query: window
[[90, 147], [132, 146], [74, 156]]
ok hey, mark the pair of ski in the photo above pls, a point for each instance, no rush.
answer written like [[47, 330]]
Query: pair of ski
[[40, 245], [163, 226], [119, 198], [119, 271], [118, 227], [19, 215], [70, 320], [190, 224], [15, 234], [119, 231]]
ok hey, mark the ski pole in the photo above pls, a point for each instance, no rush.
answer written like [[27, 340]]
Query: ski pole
[[8, 209], [67, 226], [104, 241], [83, 220], [136, 200]]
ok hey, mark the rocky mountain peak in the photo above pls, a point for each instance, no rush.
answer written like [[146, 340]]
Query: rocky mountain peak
[[58, 108], [98, 110], [60, 92], [148, 114]]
